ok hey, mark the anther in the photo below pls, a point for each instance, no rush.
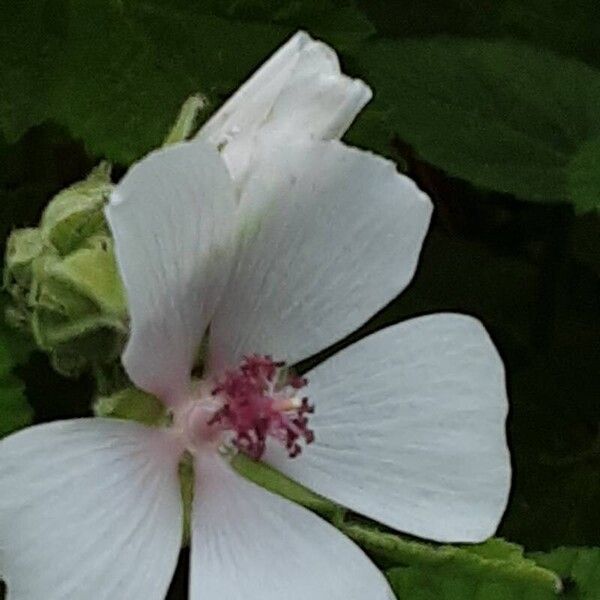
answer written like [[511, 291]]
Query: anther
[[260, 401]]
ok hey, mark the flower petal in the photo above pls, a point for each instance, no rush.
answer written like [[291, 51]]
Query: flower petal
[[251, 103], [300, 90], [410, 430], [248, 543], [318, 100], [332, 235], [172, 218], [90, 508]]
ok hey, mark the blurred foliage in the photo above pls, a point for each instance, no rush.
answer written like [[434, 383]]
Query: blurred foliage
[[115, 73], [579, 568], [570, 28], [501, 115], [484, 104], [15, 411]]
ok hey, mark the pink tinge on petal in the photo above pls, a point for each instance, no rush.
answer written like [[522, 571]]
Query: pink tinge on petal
[[259, 400]]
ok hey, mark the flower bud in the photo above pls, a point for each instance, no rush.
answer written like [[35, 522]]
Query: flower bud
[[63, 279], [76, 213]]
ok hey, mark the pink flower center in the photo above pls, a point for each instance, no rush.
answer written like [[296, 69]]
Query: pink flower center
[[259, 400]]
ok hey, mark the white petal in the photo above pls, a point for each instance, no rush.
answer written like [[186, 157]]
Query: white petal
[[172, 220], [248, 543], [317, 100], [251, 103], [299, 91], [332, 235], [90, 508], [410, 430]]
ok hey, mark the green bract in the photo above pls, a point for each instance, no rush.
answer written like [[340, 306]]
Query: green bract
[[133, 404]]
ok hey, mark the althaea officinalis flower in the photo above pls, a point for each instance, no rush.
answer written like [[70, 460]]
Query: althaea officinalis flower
[[274, 239]]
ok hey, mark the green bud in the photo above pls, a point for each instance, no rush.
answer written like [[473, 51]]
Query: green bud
[[91, 274], [76, 213], [64, 280], [52, 291], [22, 247], [92, 335]]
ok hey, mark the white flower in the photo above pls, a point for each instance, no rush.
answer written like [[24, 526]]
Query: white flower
[[287, 249]]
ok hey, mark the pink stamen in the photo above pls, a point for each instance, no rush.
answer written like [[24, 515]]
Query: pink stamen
[[259, 400]]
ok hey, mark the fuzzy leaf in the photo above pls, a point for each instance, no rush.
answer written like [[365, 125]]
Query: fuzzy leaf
[[580, 568], [441, 572]]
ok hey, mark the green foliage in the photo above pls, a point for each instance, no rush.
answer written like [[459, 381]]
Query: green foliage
[[579, 567], [498, 570], [478, 581], [115, 73], [15, 411], [566, 27], [502, 115], [444, 571], [583, 176], [336, 21]]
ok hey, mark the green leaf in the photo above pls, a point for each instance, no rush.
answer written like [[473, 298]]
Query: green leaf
[[338, 22], [445, 572], [583, 176], [580, 567], [501, 115], [116, 73], [453, 582], [569, 28], [15, 412]]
